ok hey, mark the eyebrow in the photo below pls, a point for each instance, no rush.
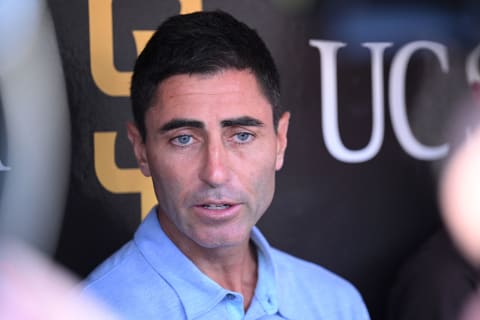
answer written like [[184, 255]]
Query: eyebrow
[[183, 123], [242, 121]]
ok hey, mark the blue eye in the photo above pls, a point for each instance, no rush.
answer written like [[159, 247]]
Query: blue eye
[[243, 137], [183, 140]]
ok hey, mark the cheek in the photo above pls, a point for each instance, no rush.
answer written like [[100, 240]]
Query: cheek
[[263, 181], [168, 178]]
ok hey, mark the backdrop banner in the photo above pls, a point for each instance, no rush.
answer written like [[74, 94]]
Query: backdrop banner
[[372, 87]]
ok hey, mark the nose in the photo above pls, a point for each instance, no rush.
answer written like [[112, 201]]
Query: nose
[[214, 171]]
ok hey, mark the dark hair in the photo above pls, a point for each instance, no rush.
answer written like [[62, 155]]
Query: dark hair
[[201, 43]]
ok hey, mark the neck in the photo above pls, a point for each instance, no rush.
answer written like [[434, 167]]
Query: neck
[[232, 267]]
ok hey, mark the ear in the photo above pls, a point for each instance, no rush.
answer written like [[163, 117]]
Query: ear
[[282, 129], [139, 148]]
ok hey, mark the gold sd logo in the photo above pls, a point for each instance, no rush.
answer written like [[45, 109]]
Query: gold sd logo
[[116, 83]]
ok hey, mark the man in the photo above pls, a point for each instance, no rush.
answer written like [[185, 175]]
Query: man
[[210, 132]]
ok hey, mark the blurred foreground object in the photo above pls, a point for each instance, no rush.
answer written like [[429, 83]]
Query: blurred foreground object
[[37, 125], [460, 201], [460, 197], [33, 288], [472, 309]]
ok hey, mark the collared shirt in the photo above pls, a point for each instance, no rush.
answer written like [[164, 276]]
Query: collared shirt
[[150, 278]]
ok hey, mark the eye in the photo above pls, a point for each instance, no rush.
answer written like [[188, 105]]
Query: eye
[[183, 140], [243, 137]]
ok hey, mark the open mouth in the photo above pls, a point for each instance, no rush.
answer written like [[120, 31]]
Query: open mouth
[[216, 206]]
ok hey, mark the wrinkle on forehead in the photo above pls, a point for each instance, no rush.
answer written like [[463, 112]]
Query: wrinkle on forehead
[[210, 99], [217, 86]]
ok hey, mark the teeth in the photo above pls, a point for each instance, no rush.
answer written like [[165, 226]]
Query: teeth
[[216, 206]]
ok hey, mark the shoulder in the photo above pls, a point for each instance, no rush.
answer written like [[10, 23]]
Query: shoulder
[[113, 264], [130, 286], [305, 283], [311, 275]]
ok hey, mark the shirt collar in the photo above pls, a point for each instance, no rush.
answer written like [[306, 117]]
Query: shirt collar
[[271, 290], [185, 278], [176, 269], [266, 290]]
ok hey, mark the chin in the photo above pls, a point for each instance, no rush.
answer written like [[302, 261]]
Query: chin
[[223, 239]]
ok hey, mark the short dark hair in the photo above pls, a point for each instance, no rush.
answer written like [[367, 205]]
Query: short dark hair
[[201, 43]]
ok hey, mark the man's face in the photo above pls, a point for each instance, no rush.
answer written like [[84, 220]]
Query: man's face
[[212, 152]]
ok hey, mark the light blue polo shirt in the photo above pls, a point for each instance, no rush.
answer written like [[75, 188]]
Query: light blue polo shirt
[[150, 278]]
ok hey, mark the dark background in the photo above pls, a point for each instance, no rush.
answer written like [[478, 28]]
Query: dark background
[[361, 220]]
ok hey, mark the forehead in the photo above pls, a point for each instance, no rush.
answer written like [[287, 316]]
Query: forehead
[[227, 93]]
